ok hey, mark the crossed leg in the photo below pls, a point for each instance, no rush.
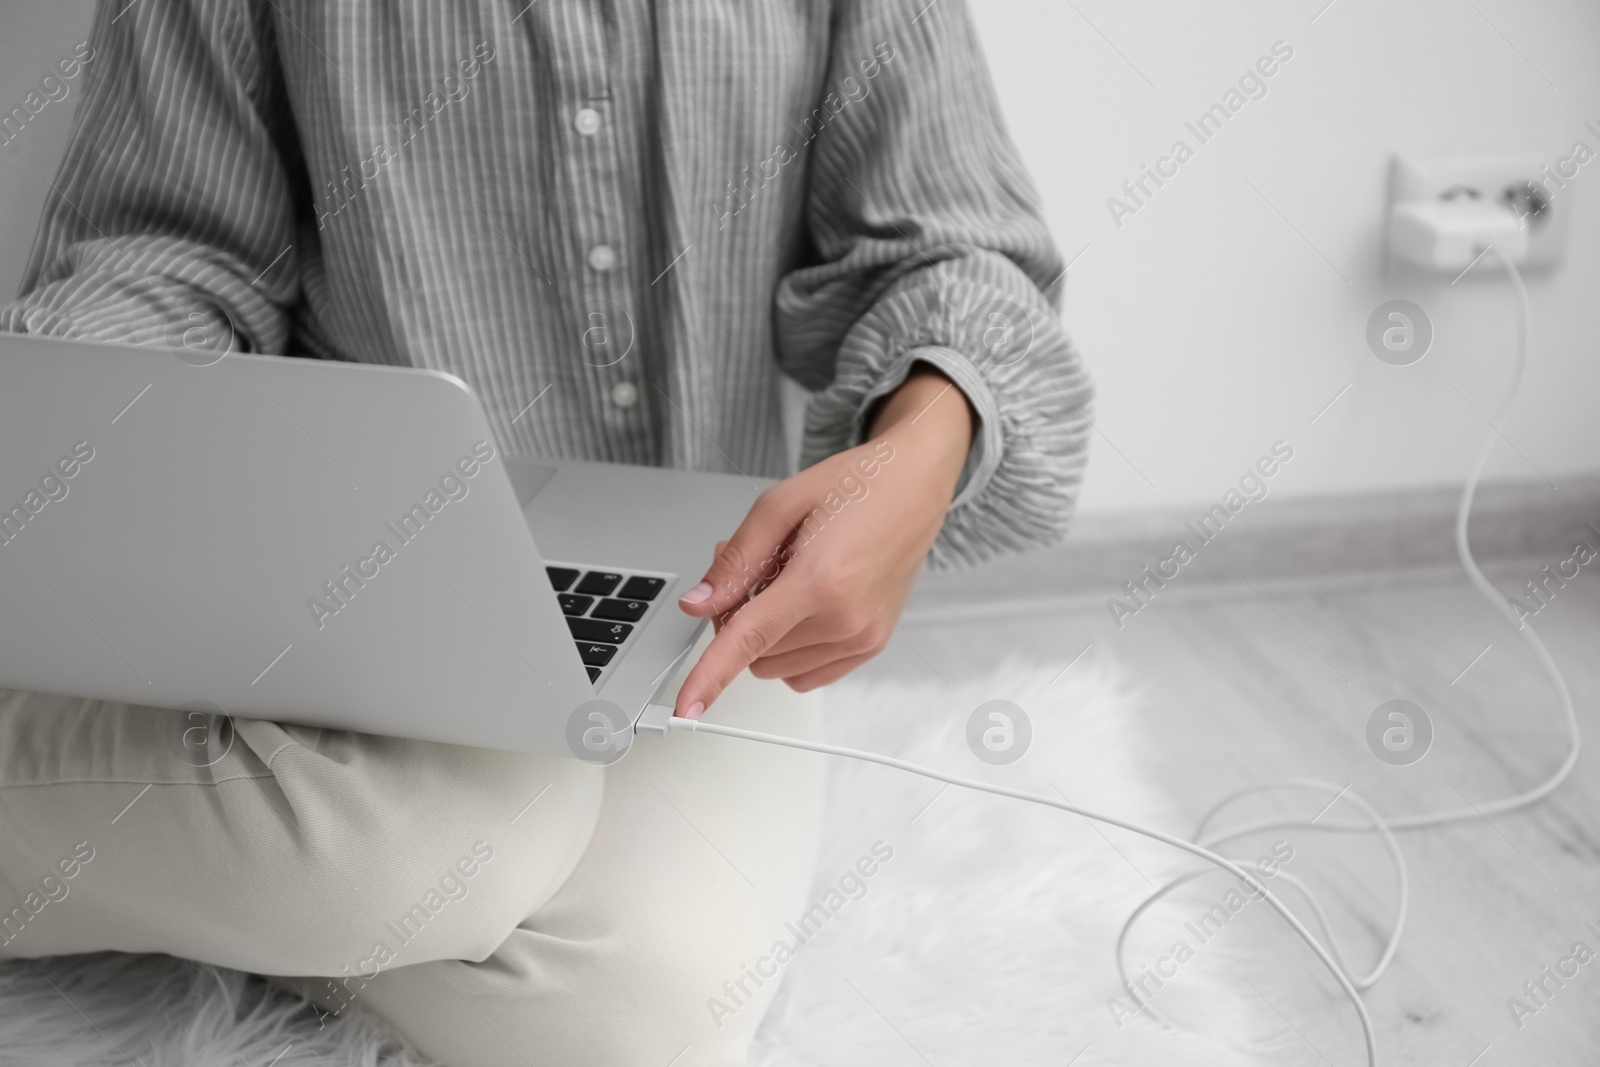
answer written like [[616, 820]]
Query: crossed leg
[[495, 908]]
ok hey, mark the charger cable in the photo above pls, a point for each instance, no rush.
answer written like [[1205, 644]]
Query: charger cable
[[659, 720]]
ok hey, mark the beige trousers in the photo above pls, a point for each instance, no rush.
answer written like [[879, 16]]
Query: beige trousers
[[497, 909]]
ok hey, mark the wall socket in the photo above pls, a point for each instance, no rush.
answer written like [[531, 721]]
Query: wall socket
[[1535, 190]]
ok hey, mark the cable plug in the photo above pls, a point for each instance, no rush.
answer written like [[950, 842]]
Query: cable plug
[[1448, 233], [655, 720]]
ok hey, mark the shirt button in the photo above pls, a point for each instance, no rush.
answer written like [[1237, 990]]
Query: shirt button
[[624, 394], [602, 258], [586, 121]]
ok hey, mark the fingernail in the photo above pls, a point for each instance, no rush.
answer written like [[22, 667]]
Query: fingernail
[[697, 709], [698, 595]]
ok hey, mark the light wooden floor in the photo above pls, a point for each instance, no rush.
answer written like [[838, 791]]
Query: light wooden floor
[[1246, 686]]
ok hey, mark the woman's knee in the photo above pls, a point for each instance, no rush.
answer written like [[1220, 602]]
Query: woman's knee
[[423, 852], [692, 942]]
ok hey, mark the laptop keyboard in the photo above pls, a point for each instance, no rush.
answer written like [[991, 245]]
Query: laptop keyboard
[[603, 609]]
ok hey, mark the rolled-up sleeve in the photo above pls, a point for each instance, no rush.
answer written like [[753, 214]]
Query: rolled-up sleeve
[[171, 220], [931, 247]]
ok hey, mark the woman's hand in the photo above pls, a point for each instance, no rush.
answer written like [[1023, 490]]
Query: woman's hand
[[811, 584]]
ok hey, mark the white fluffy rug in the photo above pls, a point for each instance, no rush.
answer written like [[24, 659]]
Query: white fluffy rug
[[987, 939]]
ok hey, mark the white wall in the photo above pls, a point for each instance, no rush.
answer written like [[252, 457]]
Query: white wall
[[1213, 328]]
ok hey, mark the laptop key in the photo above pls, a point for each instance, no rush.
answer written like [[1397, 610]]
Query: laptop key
[[612, 633], [594, 673], [639, 588], [598, 583], [625, 610], [561, 577], [596, 655], [573, 604]]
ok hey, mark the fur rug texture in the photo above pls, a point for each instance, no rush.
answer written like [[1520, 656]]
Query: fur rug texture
[[988, 938]]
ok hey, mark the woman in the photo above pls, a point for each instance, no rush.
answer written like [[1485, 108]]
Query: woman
[[618, 222]]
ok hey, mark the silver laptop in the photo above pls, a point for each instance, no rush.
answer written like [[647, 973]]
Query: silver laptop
[[333, 544]]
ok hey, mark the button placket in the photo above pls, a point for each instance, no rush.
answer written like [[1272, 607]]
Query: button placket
[[599, 243]]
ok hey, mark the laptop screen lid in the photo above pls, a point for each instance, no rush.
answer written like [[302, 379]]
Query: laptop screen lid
[[307, 541]]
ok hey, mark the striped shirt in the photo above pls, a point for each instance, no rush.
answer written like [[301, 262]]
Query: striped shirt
[[617, 220]]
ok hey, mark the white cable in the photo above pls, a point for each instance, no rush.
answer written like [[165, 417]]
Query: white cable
[[1376, 822], [1425, 820], [1330, 956], [700, 726], [1501, 605]]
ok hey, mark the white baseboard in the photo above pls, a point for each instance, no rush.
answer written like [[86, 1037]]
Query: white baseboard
[[1336, 541]]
